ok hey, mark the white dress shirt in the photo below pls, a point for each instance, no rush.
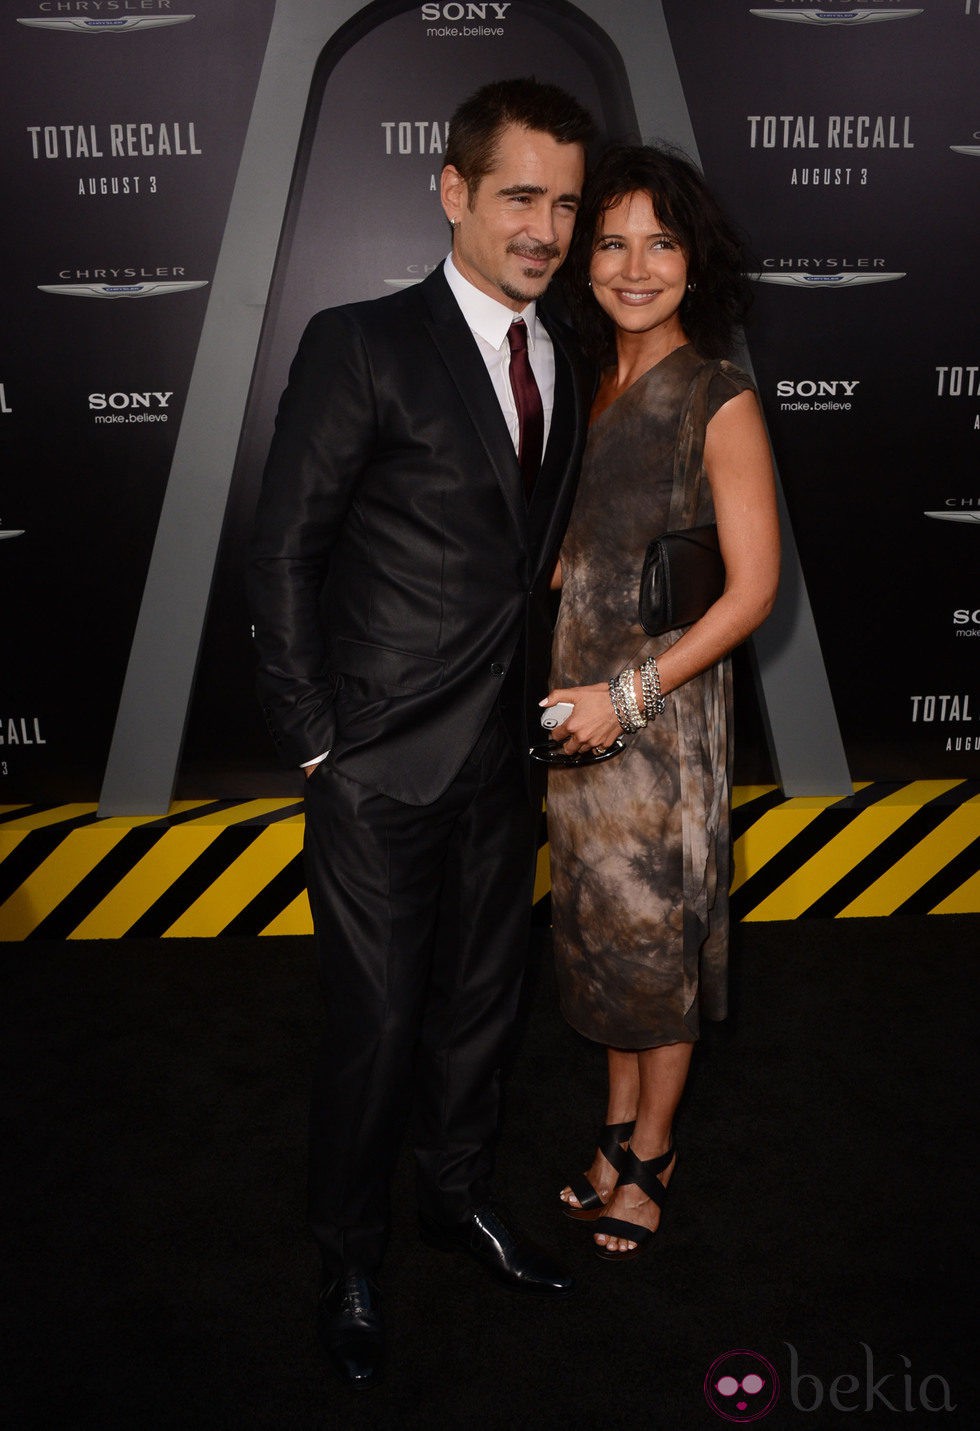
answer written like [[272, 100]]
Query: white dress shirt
[[488, 321]]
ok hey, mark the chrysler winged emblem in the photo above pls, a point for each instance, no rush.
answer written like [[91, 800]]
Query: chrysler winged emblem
[[94, 27], [824, 280], [835, 17], [123, 290]]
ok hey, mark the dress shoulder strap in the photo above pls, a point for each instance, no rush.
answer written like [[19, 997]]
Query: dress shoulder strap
[[689, 450]]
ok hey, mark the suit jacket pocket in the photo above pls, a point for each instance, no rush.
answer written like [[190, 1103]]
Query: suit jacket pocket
[[386, 669]]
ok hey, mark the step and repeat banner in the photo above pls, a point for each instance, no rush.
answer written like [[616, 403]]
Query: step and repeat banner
[[845, 140], [122, 130]]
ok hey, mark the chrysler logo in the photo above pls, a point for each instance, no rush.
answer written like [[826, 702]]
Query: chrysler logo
[[835, 17], [824, 280], [122, 290], [129, 22]]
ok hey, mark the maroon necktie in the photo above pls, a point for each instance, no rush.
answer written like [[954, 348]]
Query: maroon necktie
[[527, 398]]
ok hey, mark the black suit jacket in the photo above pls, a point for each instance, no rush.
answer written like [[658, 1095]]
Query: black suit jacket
[[399, 579]]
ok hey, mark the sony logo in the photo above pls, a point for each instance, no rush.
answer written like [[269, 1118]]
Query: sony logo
[[99, 401], [456, 11], [816, 387]]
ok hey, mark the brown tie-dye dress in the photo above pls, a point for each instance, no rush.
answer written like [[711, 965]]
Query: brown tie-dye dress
[[640, 850]]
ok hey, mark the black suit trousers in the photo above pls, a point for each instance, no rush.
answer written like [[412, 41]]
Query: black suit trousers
[[422, 918]]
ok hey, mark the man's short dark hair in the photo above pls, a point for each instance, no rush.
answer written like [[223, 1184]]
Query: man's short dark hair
[[477, 124]]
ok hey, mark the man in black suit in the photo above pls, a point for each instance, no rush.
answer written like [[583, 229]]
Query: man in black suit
[[412, 508]]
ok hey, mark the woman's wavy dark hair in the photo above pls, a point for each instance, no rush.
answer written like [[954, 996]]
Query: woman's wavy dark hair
[[716, 258]]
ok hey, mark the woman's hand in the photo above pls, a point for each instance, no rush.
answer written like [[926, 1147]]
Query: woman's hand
[[592, 725]]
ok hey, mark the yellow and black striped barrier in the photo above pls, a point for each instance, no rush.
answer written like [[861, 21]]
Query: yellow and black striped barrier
[[233, 867], [886, 849]]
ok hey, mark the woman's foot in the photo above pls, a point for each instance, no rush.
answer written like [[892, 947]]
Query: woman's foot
[[633, 1204], [601, 1177], [586, 1196]]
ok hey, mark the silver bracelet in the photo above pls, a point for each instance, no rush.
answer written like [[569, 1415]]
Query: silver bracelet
[[654, 704], [621, 705], [619, 709], [627, 691]]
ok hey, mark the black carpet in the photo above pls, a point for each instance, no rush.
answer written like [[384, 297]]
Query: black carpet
[[158, 1273]]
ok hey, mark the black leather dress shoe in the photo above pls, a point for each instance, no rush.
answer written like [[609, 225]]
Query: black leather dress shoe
[[489, 1237], [350, 1327]]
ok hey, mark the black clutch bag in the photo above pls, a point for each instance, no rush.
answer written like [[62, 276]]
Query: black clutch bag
[[683, 574]]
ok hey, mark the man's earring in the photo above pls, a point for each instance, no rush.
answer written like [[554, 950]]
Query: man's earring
[[691, 287]]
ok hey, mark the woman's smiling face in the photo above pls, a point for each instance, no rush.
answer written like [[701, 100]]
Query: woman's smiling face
[[638, 269]]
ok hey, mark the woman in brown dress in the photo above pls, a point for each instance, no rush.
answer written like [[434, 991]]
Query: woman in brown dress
[[639, 843]]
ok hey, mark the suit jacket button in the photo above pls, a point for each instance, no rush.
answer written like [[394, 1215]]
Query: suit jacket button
[[496, 669]]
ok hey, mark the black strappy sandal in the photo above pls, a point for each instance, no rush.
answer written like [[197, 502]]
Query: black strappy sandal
[[644, 1176], [608, 1143]]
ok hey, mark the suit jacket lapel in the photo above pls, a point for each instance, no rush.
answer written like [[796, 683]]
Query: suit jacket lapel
[[451, 335], [554, 488]]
